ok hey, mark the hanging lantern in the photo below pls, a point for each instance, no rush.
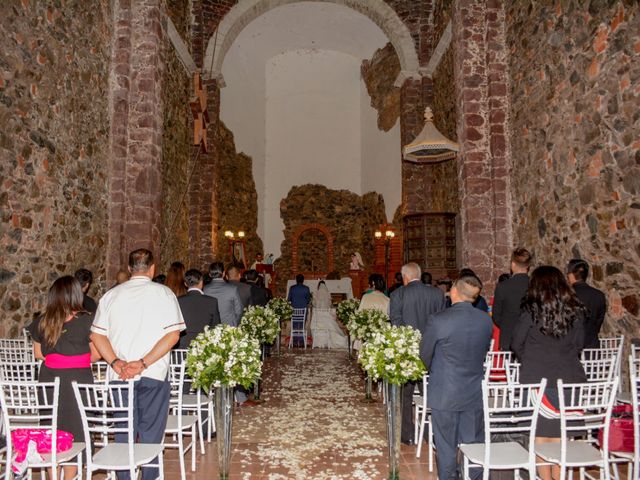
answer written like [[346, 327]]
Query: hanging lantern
[[430, 146]]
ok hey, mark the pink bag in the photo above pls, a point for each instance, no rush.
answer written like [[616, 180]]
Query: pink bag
[[42, 437]]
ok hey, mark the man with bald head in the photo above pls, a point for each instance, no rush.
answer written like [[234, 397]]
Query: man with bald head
[[411, 306], [453, 348]]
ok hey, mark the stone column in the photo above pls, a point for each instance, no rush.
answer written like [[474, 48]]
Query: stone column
[[135, 185], [481, 80]]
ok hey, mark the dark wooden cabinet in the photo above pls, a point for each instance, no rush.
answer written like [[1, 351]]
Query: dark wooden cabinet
[[430, 241]]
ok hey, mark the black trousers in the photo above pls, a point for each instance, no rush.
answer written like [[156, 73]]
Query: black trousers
[[407, 412]]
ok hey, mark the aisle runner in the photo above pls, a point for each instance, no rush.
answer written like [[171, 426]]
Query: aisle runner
[[313, 424]]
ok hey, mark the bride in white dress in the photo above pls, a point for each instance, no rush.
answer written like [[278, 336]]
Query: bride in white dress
[[324, 328]]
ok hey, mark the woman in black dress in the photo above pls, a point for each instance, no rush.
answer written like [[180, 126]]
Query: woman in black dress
[[61, 338], [548, 340]]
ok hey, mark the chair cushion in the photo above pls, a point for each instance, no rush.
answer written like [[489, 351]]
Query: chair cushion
[[115, 456], [506, 455], [579, 453], [187, 422], [76, 448]]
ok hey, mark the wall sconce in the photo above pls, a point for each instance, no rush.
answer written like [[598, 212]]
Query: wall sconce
[[240, 234], [228, 234], [389, 234], [378, 234]]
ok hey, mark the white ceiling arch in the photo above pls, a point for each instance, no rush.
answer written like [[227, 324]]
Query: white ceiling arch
[[245, 11]]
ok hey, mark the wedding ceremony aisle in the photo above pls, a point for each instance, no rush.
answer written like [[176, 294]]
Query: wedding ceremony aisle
[[313, 424]]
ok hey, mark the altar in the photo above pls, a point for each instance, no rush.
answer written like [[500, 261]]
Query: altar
[[338, 287]]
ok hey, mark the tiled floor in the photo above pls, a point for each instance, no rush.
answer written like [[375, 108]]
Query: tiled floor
[[313, 424]]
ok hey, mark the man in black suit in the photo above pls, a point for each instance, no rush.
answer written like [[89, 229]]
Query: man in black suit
[[244, 290], [198, 310], [509, 294], [85, 277], [454, 347], [411, 305], [592, 298], [259, 295]]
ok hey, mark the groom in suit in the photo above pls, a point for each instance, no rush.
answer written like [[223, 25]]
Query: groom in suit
[[410, 306], [198, 310], [453, 348]]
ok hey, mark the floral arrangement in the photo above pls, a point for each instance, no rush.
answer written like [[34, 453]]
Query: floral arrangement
[[261, 323], [346, 308], [363, 323], [224, 355], [393, 354], [281, 307]]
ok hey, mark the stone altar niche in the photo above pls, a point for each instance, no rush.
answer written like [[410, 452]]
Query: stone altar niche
[[312, 251]]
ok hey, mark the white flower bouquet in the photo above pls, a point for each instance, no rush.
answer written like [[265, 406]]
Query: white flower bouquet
[[393, 354], [261, 323], [224, 355], [346, 308], [281, 307], [363, 323]]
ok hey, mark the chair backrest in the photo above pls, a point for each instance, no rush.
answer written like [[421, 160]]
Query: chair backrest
[[496, 361], [29, 405], [298, 319], [611, 342], [635, 352], [106, 409], [178, 356], [299, 314], [19, 372], [512, 371], [591, 403], [511, 408], [599, 353], [16, 354], [634, 376], [177, 381], [14, 343], [599, 370], [99, 370]]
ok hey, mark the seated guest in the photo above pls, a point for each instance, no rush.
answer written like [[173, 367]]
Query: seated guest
[[61, 339], [454, 346], [229, 303], [175, 279], [299, 294], [258, 295], [426, 278], [234, 277], [375, 299], [592, 298], [198, 309], [85, 277]]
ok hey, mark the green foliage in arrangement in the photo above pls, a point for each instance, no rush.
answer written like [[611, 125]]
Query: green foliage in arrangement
[[282, 308], [363, 323], [261, 323]]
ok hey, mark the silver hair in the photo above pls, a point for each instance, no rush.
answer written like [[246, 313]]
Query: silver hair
[[411, 270]]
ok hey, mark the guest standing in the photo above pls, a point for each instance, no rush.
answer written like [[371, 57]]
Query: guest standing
[[375, 298], [258, 294], [244, 290], [85, 277], [411, 305], [454, 346], [299, 294], [198, 310], [547, 340], [61, 338], [175, 279], [229, 302], [592, 298], [509, 294], [136, 325]]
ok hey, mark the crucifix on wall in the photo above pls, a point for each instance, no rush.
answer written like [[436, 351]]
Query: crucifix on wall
[[199, 111]]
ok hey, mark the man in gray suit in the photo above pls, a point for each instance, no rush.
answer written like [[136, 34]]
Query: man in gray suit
[[244, 290], [454, 348], [411, 305], [229, 302]]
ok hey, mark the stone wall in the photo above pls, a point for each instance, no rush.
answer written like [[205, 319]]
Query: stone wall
[[351, 218], [54, 145], [379, 75], [575, 130], [177, 153]]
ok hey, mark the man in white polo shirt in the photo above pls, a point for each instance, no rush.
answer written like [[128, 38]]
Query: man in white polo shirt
[[135, 327]]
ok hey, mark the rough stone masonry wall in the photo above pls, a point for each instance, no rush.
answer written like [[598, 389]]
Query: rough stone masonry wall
[[177, 152], [352, 220], [54, 144], [575, 142]]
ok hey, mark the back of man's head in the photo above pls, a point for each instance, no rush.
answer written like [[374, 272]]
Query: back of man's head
[[84, 276], [579, 269], [233, 273], [467, 288], [140, 260], [299, 279], [251, 275], [216, 270], [192, 277], [398, 277], [426, 278], [410, 271], [521, 259]]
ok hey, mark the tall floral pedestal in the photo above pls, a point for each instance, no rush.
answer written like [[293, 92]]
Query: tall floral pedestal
[[394, 424], [223, 406]]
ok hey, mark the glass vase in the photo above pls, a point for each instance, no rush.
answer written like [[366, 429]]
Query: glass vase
[[223, 406], [394, 424], [368, 396]]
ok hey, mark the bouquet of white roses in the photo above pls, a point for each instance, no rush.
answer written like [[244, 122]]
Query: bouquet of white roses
[[363, 323], [281, 307], [346, 308], [393, 354], [223, 355], [261, 323]]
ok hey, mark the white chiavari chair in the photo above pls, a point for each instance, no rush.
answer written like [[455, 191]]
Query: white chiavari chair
[[422, 417], [298, 326], [495, 362], [19, 372], [633, 458], [600, 369]]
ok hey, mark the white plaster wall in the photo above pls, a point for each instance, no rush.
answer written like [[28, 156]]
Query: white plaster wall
[[312, 128], [381, 156]]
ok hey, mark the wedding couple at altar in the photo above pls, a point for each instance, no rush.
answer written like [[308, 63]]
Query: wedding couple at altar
[[324, 327]]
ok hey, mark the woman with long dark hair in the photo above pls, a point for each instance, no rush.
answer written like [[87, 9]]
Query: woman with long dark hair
[[61, 338], [175, 279], [548, 340]]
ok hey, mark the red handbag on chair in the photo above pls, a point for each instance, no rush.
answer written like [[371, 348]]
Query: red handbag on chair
[[620, 430]]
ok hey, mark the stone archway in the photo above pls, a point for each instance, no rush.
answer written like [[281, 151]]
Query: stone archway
[[246, 11], [295, 253]]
